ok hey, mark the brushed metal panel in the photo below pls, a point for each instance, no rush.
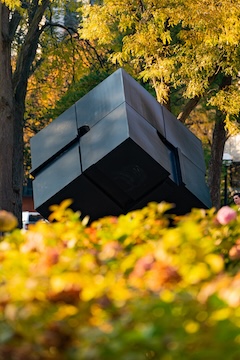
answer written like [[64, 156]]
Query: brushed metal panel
[[109, 94], [53, 138], [100, 101], [58, 174], [181, 137]]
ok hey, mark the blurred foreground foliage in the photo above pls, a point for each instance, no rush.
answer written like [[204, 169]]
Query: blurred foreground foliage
[[146, 285]]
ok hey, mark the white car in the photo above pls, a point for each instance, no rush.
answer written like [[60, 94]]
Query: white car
[[30, 217]]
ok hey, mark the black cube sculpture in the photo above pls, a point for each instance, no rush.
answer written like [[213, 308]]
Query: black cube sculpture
[[116, 150]]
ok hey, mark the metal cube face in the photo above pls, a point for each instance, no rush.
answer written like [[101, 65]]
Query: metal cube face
[[115, 150]]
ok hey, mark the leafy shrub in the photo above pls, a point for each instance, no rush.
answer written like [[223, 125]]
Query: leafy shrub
[[146, 285]]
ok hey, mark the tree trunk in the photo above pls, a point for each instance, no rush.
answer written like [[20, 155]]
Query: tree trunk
[[218, 142], [17, 172], [215, 164], [13, 89], [7, 198]]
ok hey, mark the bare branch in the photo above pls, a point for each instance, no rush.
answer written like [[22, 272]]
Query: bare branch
[[191, 104]]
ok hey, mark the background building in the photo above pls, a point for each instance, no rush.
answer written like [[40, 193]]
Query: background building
[[232, 148], [27, 203]]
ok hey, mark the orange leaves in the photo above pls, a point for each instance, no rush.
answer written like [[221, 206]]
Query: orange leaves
[[153, 275]]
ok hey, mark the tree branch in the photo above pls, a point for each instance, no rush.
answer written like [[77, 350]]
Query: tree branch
[[191, 104], [28, 49], [13, 24]]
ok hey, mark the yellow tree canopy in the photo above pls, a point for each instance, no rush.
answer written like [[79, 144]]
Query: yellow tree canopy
[[173, 43], [191, 46]]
